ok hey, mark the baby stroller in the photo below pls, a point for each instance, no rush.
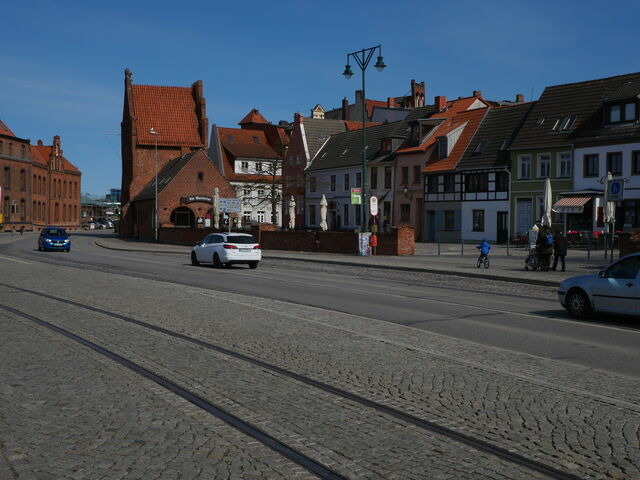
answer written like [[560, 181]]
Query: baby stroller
[[533, 261]]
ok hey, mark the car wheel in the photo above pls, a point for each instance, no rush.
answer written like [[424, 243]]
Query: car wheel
[[216, 261], [194, 259], [253, 265], [577, 304], [68, 250]]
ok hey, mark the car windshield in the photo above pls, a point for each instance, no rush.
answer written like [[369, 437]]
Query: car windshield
[[56, 232], [244, 239]]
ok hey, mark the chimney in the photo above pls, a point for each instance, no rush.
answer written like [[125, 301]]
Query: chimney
[[40, 143], [345, 109], [477, 93], [519, 98], [391, 102], [440, 102]]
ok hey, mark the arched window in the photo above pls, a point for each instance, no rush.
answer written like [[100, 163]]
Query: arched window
[[34, 210], [183, 217], [23, 209]]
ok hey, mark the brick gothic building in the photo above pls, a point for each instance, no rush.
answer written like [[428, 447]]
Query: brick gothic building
[[39, 185], [178, 116]]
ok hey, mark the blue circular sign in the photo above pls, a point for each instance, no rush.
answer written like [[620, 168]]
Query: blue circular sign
[[615, 188]]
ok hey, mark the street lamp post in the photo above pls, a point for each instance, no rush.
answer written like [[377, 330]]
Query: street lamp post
[[155, 213], [362, 58]]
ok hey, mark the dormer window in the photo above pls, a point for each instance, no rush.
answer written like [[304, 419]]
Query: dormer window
[[621, 112], [386, 145], [443, 150], [256, 140]]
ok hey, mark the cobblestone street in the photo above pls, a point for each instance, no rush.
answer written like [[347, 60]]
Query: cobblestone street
[[63, 401]]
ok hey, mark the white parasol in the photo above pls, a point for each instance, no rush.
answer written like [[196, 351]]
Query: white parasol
[[292, 213], [548, 203], [609, 207], [323, 213]]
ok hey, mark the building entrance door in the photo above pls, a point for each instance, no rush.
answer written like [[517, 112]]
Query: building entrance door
[[525, 218], [503, 230], [431, 225]]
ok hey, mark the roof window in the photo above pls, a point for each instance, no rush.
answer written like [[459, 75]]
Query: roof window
[[256, 140], [480, 147], [540, 121], [564, 123], [506, 143]]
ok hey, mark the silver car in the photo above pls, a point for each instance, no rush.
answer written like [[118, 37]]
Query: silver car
[[616, 289], [224, 249]]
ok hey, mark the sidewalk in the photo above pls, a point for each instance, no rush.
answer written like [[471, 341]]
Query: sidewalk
[[453, 260]]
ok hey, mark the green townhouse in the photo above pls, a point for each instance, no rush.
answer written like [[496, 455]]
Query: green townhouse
[[574, 135], [543, 148]]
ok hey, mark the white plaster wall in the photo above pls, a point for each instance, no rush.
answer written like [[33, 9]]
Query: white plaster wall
[[491, 209], [631, 188]]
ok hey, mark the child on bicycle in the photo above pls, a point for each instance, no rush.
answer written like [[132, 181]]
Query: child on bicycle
[[484, 248]]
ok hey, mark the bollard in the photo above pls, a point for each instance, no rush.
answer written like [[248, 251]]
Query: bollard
[[461, 247], [438, 245], [588, 249], [507, 247]]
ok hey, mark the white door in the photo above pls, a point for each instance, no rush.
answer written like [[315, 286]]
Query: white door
[[525, 218], [619, 289]]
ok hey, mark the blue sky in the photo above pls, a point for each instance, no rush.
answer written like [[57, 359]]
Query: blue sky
[[62, 63]]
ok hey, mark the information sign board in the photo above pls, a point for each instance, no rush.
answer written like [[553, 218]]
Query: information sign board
[[230, 205], [616, 191], [356, 196]]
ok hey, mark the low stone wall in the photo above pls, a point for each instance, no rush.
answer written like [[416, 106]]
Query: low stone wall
[[400, 241]]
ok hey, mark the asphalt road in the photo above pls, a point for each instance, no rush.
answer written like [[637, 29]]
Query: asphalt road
[[516, 317]]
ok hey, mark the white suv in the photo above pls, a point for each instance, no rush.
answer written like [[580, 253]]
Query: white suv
[[224, 249]]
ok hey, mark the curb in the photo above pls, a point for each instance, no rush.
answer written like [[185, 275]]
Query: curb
[[543, 283]]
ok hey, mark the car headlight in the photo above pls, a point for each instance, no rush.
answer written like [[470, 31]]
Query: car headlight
[[48, 240], [66, 241]]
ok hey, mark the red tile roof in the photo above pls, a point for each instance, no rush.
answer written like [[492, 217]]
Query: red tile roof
[[351, 125], [246, 143], [4, 130], [471, 120], [454, 107], [254, 116], [170, 111], [44, 151], [37, 157], [373, 103]]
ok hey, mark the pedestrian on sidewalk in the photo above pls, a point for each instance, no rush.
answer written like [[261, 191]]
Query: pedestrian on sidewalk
[[544, 246], [21, 229], [559, 250]]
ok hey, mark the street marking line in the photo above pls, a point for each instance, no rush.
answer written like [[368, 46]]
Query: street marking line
[[14, 260]]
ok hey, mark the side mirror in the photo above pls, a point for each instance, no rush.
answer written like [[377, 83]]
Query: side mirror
[[602, 274]]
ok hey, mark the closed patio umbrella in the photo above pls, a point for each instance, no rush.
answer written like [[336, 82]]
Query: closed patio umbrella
[[609, 207], [548, 203], [292, 213], [323, 213]]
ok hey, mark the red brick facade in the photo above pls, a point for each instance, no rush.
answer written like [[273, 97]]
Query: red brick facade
[[191, 182], [177, 115], [39, 186]]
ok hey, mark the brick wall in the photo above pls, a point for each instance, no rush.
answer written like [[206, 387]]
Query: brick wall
[[400, 241]]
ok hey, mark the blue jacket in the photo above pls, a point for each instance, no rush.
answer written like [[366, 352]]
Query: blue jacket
[[484, 247]]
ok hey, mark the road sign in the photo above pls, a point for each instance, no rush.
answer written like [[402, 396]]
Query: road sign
[[230, 205], [356, 196], [373, 206], [616, 190]]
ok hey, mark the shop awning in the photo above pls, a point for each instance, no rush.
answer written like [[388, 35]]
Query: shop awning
[[570, 204]]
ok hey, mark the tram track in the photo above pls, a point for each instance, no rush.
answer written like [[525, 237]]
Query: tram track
[[318, 469]]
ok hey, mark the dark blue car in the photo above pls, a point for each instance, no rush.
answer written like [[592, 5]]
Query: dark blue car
[[54, 238]]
